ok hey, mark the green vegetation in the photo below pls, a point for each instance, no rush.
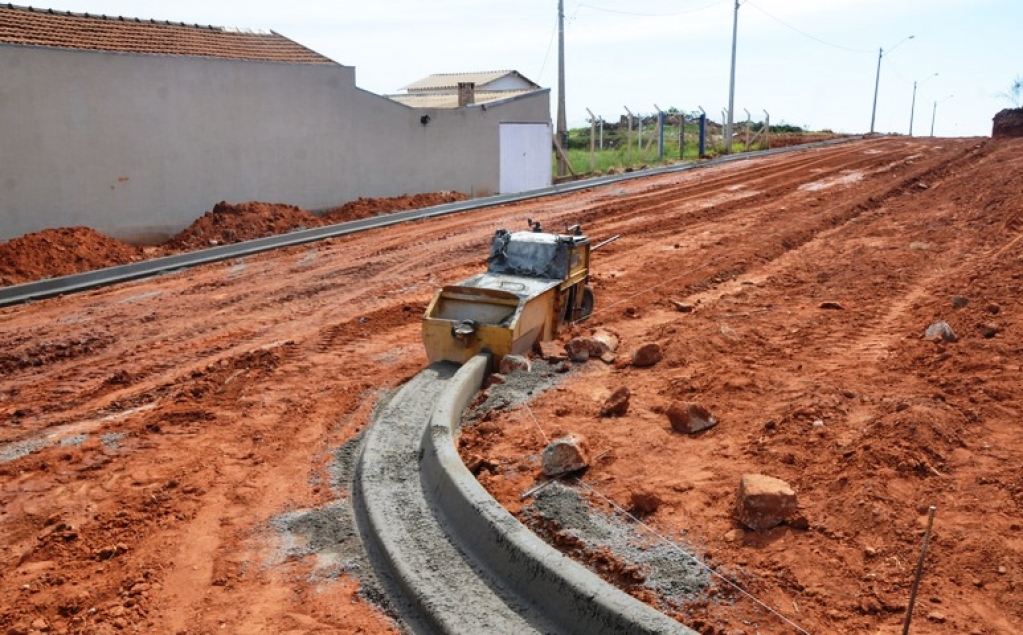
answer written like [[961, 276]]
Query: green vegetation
[[621, 152]]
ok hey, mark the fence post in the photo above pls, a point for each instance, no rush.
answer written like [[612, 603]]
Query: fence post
[[703, 133], [660, 135], [749, 118], [767, 128], [628, 137], [639, 136], [681, 136], [593, 139], [724, 118]]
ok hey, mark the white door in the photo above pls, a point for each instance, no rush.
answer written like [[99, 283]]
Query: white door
[[525, 157]]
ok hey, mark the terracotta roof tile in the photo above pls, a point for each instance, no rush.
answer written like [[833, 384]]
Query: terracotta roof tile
[[45, 27]]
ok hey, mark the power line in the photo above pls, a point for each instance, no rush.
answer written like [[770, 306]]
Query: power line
[[804, 33], [652, 15]]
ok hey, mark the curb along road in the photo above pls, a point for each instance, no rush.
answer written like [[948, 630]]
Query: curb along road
[[451, 558]]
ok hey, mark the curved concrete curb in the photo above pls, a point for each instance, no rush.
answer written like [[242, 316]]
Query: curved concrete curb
[[430, 582], [573, 598]]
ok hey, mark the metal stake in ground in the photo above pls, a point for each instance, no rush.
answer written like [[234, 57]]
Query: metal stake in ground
[[919, 570]]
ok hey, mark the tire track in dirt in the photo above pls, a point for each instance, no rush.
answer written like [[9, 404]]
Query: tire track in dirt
[[717, 264]]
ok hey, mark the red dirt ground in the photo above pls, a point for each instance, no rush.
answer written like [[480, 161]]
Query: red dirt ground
[[213, 399]]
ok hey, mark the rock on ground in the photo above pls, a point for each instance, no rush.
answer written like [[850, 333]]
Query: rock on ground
[[511, 363], [644, 502], [602, 345], [565, 455], [617, 404], [940, 331], [764, 502], [690, 418], [647, 355]]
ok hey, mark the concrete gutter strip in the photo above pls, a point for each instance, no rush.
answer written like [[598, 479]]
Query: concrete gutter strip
[[574, 598], [431, 585], [20, 293]]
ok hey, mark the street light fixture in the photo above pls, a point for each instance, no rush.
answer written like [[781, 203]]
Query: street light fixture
[[912, 108], [877, 80], [934, 111]]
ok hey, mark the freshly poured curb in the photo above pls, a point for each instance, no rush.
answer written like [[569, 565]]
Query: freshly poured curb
[[569, 595]]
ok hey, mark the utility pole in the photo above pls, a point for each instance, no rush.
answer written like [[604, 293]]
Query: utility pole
[[562, 131], [731, 83], [934, 112], [912, 110], [877, 80], [913, 106], [877, 84]]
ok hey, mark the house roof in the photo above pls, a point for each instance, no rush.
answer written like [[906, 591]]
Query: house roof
[[439, 81], [28, 26], [450, 100]]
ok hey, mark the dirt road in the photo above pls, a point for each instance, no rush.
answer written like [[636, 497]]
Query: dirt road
[[155, 437]]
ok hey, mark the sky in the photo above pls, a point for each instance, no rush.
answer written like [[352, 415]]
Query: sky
[[809, 63]]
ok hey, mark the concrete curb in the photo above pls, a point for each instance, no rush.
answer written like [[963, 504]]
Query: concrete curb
[[573, 598]]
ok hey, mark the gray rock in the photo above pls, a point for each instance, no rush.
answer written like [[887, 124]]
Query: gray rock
[[578, 348], [606, 343], [565, 455], [940, 331], [513, 363], [600, 345]]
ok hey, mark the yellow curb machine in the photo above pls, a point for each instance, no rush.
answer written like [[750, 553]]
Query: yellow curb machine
[[535, 282]]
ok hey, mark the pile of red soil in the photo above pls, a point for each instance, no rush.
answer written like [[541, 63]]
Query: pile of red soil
[[61, 252], [65, 251], [227, 223], [1008, 123], [367, 207], [787, 139]]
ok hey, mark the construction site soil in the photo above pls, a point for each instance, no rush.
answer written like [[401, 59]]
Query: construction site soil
[[170, 448]]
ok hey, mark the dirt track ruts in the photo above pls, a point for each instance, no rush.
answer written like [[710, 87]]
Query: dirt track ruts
[[171, 420]]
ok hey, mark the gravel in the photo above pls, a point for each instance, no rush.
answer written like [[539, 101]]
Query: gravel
[[670, 569], [17, 449], [517, 388]]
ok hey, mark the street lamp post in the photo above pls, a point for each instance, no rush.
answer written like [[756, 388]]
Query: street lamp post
[[912, 110], [912, 107], [731, 84], [934, 111], [877, 80]]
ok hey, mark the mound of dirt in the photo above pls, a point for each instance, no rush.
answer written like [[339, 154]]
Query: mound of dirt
[[230, 223], [61, 252], [68, 250], [1008, 123], [367, 207], [785, 140]]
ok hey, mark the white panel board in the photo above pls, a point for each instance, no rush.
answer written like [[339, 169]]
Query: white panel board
[[525, 157]]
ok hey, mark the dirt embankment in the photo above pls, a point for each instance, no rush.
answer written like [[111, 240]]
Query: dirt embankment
[[158, 436], [69, 250]]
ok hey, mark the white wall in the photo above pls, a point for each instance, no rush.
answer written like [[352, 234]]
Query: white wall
[[138, 147]]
